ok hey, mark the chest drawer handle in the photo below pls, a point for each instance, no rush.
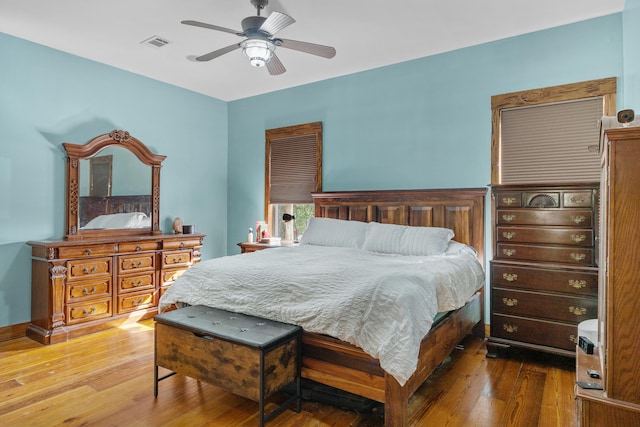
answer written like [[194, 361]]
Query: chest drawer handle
[[89, 291], [508, 218], [136, 284], [87, 251], [92, 270], [138, 248], [510, 328], [573, 339], [577, 200], [89, 312], [578, 219], [137, 302], [509, 235], [510, 302], [136, 264], [177, 259], [578, 311], [510, 277], [578, 238], [577, 284], [577, 257], [508, 200], [509, 252]]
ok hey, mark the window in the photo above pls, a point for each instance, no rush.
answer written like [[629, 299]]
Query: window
[[551, 134], [293, 171]]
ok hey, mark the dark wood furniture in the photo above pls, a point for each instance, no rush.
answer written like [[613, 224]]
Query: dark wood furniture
[[616, 357], [247, 355], [544, 279], [247, 247], [344, 366], [99, 278]]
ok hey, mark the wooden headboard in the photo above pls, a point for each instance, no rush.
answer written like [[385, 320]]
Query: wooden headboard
[[460, 209], [93, 206]]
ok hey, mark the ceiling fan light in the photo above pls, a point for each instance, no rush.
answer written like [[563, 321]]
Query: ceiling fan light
[[259, 52]]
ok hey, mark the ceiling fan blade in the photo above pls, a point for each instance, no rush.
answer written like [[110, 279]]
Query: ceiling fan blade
[[312, 48], [274, 66], [212, 55], [212, 27], [276, 22]]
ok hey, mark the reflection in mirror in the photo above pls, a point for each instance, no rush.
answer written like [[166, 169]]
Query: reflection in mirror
[[130, 192], [100, 176]]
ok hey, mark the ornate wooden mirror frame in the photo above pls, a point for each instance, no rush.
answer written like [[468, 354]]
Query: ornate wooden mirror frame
[[76, 152]]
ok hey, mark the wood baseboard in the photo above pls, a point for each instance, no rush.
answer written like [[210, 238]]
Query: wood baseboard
[[13, 331]]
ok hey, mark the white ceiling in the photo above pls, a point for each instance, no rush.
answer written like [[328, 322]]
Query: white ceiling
[[366, 34]]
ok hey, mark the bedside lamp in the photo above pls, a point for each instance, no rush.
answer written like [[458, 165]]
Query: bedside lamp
[[288, 217]]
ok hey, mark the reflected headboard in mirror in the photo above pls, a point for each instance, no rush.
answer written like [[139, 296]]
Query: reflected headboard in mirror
[[131, 206]]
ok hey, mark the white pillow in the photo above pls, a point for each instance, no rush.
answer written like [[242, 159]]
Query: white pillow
[[334, 232], [119, 220], [406, 240]]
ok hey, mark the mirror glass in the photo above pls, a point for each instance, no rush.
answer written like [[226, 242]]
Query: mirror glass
[[130, 185]]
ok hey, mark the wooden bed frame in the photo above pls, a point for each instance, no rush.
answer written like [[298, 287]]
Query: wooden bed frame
[[94, 206], [341, 365]]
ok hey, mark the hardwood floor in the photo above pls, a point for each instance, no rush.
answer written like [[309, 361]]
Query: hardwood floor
[[106, 379]]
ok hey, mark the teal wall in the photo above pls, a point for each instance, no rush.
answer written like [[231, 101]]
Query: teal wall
[[631, 55], [48, 97], [420, 124]]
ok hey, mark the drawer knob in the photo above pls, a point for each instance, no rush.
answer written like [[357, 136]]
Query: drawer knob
[[577, 284], [508, 218], [509, 252], [136, 264], [510, 328], [578, 219], [138, 248], [578, 311], [181, 245], [177, 259], [508, 200], [510, 277], [577, 257], [510, 302], [578, 238], [93, 269], [87, 251], [89, 312], [509, 235], [573, 339], [89, 291]]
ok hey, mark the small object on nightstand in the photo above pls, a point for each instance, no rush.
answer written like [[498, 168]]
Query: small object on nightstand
[[250, 236], [188, 229], [177, 225], [585, 344]]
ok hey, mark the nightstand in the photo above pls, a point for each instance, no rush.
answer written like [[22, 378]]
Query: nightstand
[[246, 247]]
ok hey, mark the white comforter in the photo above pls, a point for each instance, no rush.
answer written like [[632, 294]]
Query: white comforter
[[384, 304]]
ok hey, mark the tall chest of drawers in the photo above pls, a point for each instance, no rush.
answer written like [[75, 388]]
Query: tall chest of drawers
[[83, 286], [544, 278]]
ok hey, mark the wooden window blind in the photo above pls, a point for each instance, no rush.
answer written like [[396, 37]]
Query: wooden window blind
[[551, 142], [544, 135], [293, 163]]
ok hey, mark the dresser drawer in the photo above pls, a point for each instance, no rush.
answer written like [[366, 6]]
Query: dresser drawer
[[555, 254], [540, 332], [568, 281], [176, 258], [138, 246], [509, 199], [569, 218], [182, 243], [170, 276], [572, 309], [132, 302], [86, 250], [85, 312], [80, 291], [127, 264], [136, 282], [578, 199], [560, 236], [82, 269]]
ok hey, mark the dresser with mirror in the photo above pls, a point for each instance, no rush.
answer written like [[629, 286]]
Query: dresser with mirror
[[114, 262]]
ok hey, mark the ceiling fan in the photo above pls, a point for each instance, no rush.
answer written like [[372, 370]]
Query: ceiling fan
[[260, 44]]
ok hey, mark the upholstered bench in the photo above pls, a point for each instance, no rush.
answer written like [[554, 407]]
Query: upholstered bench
[[246, 355]]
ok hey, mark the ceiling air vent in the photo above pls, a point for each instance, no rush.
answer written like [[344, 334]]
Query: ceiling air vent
[[156, 41]]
